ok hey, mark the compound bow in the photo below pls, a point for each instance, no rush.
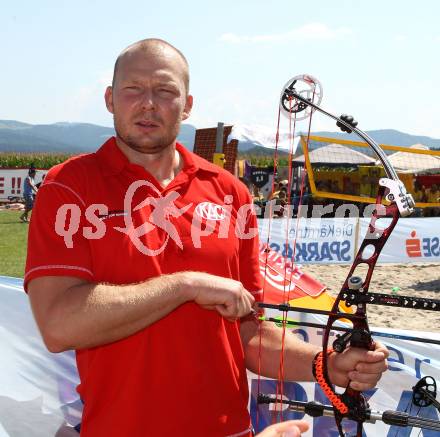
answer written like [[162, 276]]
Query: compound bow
[[392, 202]]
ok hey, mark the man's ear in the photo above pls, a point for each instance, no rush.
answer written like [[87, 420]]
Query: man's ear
[[188, 107], [109, 99]]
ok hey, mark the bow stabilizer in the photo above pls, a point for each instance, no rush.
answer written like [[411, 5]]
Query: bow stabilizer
[[425, 392]]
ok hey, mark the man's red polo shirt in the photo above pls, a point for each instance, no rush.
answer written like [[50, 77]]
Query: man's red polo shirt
[[101, 218]]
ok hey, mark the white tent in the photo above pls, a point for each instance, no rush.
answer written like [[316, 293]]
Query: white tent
[[406, 162], [336, 154]]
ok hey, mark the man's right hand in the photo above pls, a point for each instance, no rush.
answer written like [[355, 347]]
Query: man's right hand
[[290, 428], [224, 295]]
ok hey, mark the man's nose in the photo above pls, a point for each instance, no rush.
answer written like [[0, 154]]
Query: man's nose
[[147, 100]]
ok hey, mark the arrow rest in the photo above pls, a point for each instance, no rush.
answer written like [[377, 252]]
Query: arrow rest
[[356, 337]]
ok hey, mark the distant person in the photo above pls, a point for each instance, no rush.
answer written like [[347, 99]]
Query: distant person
[[321, 186], [433, 196], [257, 195], [279, 186], [281, 202], [420, 196], [419, 192], [350, 188], [335, 187], [29, 192]]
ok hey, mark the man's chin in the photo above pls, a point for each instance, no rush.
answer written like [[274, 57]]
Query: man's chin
[[147, 147]]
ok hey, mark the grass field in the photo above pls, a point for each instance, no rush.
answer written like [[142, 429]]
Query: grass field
[[13, 242]]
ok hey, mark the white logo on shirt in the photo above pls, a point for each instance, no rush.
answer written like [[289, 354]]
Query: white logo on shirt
[[211, 211]]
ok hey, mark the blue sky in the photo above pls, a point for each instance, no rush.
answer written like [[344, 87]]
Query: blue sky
[[378, 60]]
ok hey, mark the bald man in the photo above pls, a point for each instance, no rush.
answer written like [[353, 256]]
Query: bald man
[[143, 258]]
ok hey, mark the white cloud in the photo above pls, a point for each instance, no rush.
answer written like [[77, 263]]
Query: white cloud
[[400, 38], [264, 136], [86, 103], [311, 31], [234, 105], [84, 95]]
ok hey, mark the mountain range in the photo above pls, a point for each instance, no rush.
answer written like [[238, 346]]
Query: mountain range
[[65, 137]]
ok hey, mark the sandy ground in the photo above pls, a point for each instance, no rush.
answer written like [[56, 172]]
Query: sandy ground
[[420, 280]]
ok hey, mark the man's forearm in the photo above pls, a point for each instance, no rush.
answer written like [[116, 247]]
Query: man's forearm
[[74, 314], [298, 355], [88, 315]]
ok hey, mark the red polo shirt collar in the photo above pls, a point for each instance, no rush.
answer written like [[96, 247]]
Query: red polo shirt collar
[[113, 161]]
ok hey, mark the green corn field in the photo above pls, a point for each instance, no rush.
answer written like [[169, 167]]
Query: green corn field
[[48, 160], [25, 160]]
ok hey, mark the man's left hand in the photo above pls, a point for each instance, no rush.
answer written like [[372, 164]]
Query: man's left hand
[[360, 368]]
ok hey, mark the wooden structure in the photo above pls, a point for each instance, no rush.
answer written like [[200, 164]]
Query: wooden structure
[[205, 142]]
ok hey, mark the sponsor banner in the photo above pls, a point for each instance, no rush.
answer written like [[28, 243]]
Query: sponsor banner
[[331, 241], [412, 240], [260, 176], [408, 363], [311, 241], [38, 394], [37, 388], [12, 181]]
